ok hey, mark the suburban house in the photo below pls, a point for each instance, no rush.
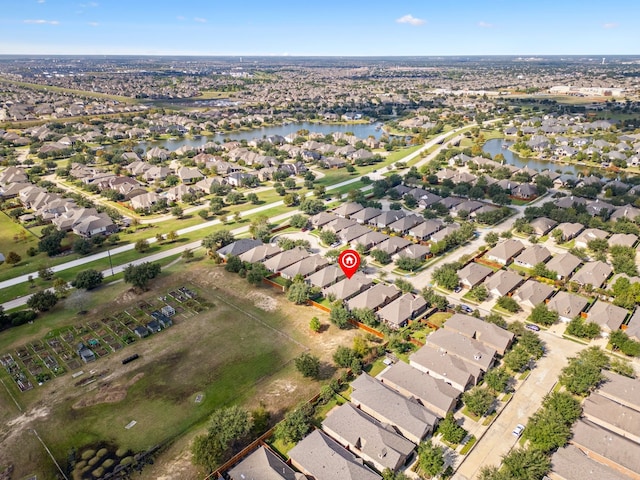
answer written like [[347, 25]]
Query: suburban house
[[326, 277], [620, 419], [486, 333], [386, 218], [532, 293], [282, 260], [621, 389], [348, 287], [570, 463], [504, 252], [349, 234], [473, 274], [375, 297], [441, 234], [398, 313], [542, 225], [569, 230], [393, 245], [468, 349], [339, 224], [144, 201], [532, 255], [414, 252], [582, 240], [323, 458], [502, 283], [347, 209], [304, 267], [238, 247], [263, 464], [431, 392], [633, 326], [373, 441], [321, 219], [568, 305], [404, 224], [424, 230], [260, 253], [623, 239], [608, 316], [365, 215], [564, 265], [386, 405], [371, 239], [593, 273], [449, 368], [98, 224]]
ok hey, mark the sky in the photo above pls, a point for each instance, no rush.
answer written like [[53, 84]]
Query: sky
[[321, 27]]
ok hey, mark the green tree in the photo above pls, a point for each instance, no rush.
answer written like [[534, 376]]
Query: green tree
[[296, 424], [497, 379], [51, 242], [478, 400], [82, 246], [517, 359], [409, 264], [582, 374], [207, 452], [328, 237], [299, 221], [298, 292], [579, 328], [312, 206], [492, 239], [404, 285], [339, 316], [142, 246], [253, 198], [366, 316], [218, 239], [61, 287], [479, 293], [343, 356], [177, 211], [308, 365], [315, 324], [547, 430], [496, 319], [526, 464], [430, 458], [531, 343], [45, 273], [450, 430], [257, 273], [542, 315], [447, 276], [381, 257], [260, 228], [13, 258], [140, 275], [42, 301], [564, 404], [88, 279], [509, 304]]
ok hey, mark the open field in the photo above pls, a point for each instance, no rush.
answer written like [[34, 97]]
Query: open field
[[238, 351]]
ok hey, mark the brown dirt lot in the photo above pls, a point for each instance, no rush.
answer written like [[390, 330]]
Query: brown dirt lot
[[174, 351]]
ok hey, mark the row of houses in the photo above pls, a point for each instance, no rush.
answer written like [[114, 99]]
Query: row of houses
[[389, 415], [606, 441]]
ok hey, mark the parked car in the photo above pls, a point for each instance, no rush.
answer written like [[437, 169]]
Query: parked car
[[518, 430], [466, 308], [532, 327], [457, 289]]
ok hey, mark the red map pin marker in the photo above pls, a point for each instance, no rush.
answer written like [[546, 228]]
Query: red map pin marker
[[349, 261]]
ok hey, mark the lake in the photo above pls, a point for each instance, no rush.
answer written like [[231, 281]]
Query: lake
[[360, 130], [494, 147]]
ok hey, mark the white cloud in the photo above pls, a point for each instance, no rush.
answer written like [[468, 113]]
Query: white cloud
[[610, 25], [93, 24], [200, 20], [411, 20], [485, 25], [43, 22]]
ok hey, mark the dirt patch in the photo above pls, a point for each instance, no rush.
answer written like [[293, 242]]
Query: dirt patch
[[108, 393], [263, 301]]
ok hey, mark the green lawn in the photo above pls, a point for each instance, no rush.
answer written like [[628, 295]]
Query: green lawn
[[439, 318]]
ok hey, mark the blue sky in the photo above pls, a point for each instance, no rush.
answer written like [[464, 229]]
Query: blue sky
[[323, 27]]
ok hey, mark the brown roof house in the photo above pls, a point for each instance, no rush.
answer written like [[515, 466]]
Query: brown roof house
[[282, 260], [608, 316], [542, 225], [263, 464], [363, 216], [260, 253], [564, 265], [582, 240], [486, 333], [568, 305], [305, 267], [375, 442], [532, 293], [326, 277], [347, 209], [410, 418], [503, 282], [348, 287], [593, 273], [569, 463], [569, 230], [431, 392], [613, 416], [532, 255], [449, 368], [375, 297], [323, 458], [504, 252], [468, 349], [473, 274], [398, 313]]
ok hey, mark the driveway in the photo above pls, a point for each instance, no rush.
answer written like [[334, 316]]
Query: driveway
[[498, 439]]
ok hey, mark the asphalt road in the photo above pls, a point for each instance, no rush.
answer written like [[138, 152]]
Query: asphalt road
[[498, 440]]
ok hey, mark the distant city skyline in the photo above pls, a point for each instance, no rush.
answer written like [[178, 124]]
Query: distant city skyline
[[328, 28]]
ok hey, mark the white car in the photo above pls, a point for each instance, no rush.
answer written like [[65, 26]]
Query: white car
[[518, 430]]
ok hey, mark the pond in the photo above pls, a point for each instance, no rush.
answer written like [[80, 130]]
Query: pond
[[494, 147], [360, 130]]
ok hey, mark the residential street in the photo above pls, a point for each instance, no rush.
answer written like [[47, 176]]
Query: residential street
[[498, 439]]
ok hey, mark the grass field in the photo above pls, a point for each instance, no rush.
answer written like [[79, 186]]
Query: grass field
[[237, 352]]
